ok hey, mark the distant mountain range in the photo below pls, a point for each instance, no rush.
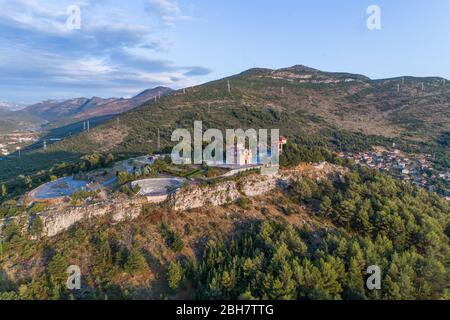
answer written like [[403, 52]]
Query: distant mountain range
[[55, 113], [78, 109], [300, 101]]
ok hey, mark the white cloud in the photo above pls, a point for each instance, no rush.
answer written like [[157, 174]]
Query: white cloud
[[88, 67], [117, 51], [169, 11], [37, 17]]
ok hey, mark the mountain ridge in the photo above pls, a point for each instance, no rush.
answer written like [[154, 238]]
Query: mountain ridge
[[81, 108], [299, 100]]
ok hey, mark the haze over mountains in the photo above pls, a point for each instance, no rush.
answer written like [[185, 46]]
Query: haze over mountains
[[55, 113]]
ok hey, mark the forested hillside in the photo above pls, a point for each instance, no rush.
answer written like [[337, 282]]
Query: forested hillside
[[298, 100], [312, 241]]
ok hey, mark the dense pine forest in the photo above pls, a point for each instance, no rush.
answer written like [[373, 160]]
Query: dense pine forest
[[381, 222]]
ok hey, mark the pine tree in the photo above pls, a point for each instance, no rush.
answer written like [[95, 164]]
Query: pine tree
[[135, 262], [346, 211], [214, 288], [227, 281], [57, 269], [304, 190], [104, 254], [174, 275], [330, 278], [361, 223], [355, 290], [326, 206], [277, 290], [391, 290]]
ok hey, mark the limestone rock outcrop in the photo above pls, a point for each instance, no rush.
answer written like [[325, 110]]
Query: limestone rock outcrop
[[56, 220], [60, 217]]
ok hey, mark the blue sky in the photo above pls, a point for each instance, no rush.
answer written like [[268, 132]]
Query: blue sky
[[124, 47]]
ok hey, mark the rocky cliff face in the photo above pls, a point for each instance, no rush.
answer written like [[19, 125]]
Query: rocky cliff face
[[56, 220], [196, 196], [59, 218]]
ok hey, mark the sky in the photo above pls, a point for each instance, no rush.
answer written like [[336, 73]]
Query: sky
[[124, 47]]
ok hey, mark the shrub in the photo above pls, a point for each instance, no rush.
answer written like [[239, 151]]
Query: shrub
[[124, 177], [243, 202], [174, 275], [81, 195], [36, 208], [173, 239], [130, 191], [9, 209]]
